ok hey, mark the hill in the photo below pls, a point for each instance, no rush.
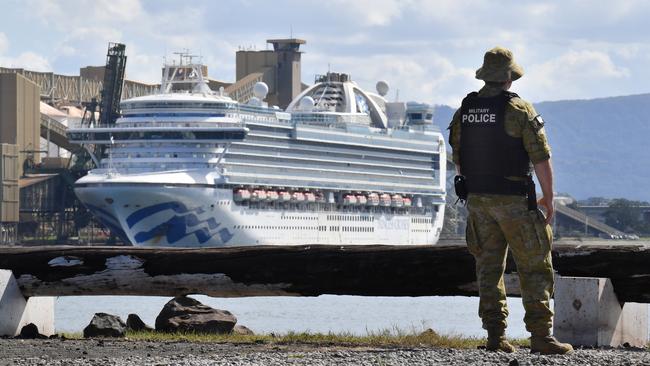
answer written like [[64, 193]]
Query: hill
[[600, 147]]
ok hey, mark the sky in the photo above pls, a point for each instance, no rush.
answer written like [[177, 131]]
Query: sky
[[428, 50]]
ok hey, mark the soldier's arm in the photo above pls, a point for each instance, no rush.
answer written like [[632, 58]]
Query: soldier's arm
[[544, 173], [454, 139], [539, 151]]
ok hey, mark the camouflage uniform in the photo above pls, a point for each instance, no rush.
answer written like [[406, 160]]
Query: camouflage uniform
[[497, 222]]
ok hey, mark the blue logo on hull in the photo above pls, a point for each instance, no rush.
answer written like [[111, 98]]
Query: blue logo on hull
[[179, 226]]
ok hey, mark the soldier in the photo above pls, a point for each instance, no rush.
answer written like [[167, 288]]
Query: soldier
[[495, 136]]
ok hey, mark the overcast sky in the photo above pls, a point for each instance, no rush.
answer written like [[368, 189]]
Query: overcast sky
[[429, 50]]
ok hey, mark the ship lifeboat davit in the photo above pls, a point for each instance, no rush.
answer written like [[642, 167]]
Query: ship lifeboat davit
[[397, 201], [362, 200], [241, 195], [385, 200], [373, 199], [272, 195], [349, 199], [285, 196], [310, 197], [407, 202]]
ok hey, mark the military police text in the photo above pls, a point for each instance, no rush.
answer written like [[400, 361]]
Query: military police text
[[479, 115]]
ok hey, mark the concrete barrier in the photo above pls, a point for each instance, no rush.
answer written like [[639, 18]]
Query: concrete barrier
[[588, 313], [16, 311]]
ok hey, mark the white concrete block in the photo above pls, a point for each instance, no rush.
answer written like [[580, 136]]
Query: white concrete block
[[587, 313], [16, 311]]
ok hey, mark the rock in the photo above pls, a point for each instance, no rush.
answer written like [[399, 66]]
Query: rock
[[133, 322], [105, 325], [30, 331], [185, 314], [242, 330]]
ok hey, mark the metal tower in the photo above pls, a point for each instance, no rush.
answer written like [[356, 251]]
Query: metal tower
[[113, 81]]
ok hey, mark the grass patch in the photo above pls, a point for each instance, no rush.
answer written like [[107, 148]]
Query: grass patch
[[385, 338]]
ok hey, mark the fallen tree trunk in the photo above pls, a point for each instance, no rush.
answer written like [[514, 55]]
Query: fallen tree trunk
[[297, 270]]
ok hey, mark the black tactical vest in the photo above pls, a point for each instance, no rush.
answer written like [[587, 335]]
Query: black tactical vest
[[487, 153]]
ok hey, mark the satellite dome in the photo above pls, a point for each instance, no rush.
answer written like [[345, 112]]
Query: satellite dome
[[307, 103], [382, 87], [260, 89]]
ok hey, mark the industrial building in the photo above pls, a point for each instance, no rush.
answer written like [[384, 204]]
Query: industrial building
[[278, 68]]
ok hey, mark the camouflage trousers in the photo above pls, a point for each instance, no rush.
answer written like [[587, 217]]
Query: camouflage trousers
[[495, 223]]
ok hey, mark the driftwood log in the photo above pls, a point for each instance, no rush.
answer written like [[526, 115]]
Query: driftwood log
[[299, 270]]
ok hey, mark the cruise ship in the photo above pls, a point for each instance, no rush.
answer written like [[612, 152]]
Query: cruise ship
[[195, 168]]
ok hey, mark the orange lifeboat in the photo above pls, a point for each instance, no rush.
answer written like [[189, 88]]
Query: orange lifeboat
[[241, 195], [285, 196], [373, 199], [298, 196], [310, 197], [349, 199], [258, 195], [407, 202], [361, 200], [385, 200], [272, 195]]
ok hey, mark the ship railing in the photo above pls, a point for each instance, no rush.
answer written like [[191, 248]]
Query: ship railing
[[330, 118], [235, 122]]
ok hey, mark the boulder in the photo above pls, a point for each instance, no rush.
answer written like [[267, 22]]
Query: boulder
[[105, 325], [133, 322], [30, 331], [184, 314], [242, 330]]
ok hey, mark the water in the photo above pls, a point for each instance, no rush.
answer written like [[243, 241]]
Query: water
[[338, 314]]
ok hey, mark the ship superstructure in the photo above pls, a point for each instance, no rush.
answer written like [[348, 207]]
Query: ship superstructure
[[193, 167]]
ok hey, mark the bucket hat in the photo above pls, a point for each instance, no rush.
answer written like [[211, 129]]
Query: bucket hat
[[499, 65]]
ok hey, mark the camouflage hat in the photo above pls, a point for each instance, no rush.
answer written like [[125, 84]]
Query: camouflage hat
[[499, 65]]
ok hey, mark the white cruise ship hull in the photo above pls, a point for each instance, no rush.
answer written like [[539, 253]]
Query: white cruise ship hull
[[186, 215]]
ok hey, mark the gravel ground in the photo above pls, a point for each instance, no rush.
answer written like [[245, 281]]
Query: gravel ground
[[125, 352]]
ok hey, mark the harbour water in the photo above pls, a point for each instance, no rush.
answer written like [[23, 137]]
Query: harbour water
[[338, 314]]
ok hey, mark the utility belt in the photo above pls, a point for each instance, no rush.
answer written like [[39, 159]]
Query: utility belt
[[488, 184]]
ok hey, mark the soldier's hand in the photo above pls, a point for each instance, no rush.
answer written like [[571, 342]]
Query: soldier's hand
[[547, 203]]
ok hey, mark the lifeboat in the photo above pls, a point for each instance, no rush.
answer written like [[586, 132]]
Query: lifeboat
[[385, 200], [285, 196], [373, 199], [397, 201], [298, 196], [272, 195], [407, 202], [258, 195], [241, 195], [310, 197], [349, 199], [361, 200]]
